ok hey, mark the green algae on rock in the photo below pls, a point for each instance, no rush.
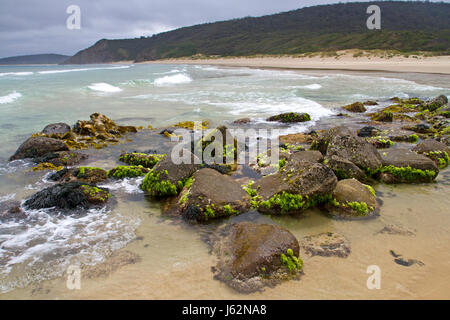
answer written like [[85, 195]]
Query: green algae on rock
[[290, 117], [141, 159], [122, 172]]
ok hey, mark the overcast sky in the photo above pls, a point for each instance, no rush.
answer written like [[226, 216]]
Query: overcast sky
[[39, 26]]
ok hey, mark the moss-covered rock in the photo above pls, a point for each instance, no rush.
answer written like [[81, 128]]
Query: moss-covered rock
[[141, 159], [167, 178], [404, 166], [212, 195], [122, 172], [90, 174], [344, 169], [296, 187], [252, 256], [290, 117], [352, 199], [38, 147], [355, 107], [383, 116]]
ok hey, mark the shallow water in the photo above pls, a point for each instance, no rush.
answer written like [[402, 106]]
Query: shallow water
[[175, 260]]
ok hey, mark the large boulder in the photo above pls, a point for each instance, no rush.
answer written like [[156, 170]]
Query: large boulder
[[355, 149], [68, 196], [213, 195], [251, 256], [167, 178], [296, 187], [38, 147], [307, 155], [352, 199], [405, 166], [56, 128]]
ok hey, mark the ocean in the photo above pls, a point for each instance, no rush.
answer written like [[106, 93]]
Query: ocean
[[40, 249]]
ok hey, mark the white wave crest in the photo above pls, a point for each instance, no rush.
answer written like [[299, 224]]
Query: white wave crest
[[10, 97], [104, 87], [15, 74], [175, 79], [82, 69]]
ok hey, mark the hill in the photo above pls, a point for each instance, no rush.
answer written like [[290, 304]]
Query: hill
[[50, 58], [406, 27]]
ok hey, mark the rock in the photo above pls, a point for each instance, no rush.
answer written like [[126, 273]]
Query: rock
[[411, 138], [383, 116], [90, 175], [308, 155], [101, 126], [167, 178], [213, 195], [296, 187], [326, 244], [11, 210], [251, 256], [436, 103], [355, 107], [351, 199], [242, 121], [404, 166], [68, 196], [355, 149], [431, 145], [290, 117], [344, 169], [116, 261], [368, 131], [370, 103], [420, 128], [396, 230], [56, 128], [62, 158], [38, 147]]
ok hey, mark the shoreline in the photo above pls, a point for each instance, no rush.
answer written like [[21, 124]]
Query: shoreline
[[346, 62]]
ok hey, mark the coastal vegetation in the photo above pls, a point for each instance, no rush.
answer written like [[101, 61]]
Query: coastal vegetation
[[409, 28]]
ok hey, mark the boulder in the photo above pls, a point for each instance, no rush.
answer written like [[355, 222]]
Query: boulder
[[326, 244], [352, 199], [296, 187], [56, 128], [295, 139], [370, 103], [167, 178], [212, 195], [101, 127], [405, 166], [38, 147], [355, 107], [355, 149], [290, 117], [251, 256], [122, 172], [68, 196], [420, 128]]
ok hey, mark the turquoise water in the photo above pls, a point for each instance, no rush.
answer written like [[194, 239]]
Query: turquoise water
[[42, 246], [33, 96]]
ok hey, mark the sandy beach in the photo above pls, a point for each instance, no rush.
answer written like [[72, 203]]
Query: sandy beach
[[344, 61]]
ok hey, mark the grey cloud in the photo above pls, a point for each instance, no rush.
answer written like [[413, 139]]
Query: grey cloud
[[31, 26]]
